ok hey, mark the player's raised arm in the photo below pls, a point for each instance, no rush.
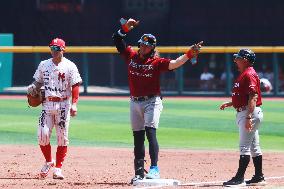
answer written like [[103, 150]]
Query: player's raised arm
[[118, 37], [191, 54]]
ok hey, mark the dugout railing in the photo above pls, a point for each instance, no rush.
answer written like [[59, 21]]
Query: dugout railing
[[183, 81]]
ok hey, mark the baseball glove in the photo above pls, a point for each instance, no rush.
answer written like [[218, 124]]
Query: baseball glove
[[35, 100]]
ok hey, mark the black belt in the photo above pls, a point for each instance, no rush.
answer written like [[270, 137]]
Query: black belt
[[142, 98]]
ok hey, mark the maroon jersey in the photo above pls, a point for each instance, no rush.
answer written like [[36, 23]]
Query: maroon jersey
[[144, 74], [247, 83]]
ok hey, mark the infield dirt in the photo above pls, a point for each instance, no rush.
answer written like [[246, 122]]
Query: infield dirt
[[92, 167]]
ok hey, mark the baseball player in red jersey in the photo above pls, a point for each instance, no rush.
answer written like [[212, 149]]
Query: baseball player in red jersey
[[246, 99], [60, 79], [144, 69]]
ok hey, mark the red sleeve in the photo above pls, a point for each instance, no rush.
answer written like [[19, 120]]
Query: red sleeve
[[251, 84], [128, 53], [164, 64], [75, 93]]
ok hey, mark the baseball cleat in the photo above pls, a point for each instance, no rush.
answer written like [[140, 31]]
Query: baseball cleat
[[45, 169], [135, 179], [256, 181], [57, 174], [235, 181], [154, 173]]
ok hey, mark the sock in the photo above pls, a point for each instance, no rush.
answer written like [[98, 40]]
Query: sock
[[139, 148], [153, 145], [257, 162], [60, 155], [243, 163], [46, 151]]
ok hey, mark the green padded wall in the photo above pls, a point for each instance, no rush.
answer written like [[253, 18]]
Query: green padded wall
[[6, 62]]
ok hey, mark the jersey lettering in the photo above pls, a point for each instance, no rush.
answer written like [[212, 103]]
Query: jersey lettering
[[61, 76], [139, 66], [237, 85], [144, 74], [57, 79], [140, 74]]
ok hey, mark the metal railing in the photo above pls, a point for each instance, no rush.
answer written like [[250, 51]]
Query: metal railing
[[168, 49], [274, 50]]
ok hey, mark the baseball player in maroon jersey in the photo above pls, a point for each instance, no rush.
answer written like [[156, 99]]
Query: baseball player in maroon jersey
[[60, 79], [246, 99], [144, 69]]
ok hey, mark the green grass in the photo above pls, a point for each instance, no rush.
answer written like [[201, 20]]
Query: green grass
[[184, 123]]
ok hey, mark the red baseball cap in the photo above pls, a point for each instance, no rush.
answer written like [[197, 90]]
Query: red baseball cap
[[58, 42]]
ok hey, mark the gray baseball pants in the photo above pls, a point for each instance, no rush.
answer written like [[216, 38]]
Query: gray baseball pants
[[249, 141], [145, 113]]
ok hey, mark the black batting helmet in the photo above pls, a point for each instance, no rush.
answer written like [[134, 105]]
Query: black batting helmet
[[247, 54], [148, 39]]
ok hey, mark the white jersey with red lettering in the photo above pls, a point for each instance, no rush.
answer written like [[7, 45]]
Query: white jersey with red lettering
[[57, 83], [57, 79]]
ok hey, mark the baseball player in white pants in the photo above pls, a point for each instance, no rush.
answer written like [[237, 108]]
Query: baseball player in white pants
[[60, 79]]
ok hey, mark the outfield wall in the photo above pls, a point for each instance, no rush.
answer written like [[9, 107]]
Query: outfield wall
[[104, 72]]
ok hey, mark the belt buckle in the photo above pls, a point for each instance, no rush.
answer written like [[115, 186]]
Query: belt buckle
[[49, 99], [55, 99], [141, 98], [146, 97], [240, 109], [134, 98], [52, 99]]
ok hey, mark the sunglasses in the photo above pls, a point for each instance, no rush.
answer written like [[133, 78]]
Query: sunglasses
[[55, 48]]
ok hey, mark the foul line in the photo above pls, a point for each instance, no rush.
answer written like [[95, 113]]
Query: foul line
[[271, 178], [204, 183]]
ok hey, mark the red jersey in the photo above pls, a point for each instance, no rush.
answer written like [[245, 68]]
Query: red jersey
[[144, 74], [247, 83]]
